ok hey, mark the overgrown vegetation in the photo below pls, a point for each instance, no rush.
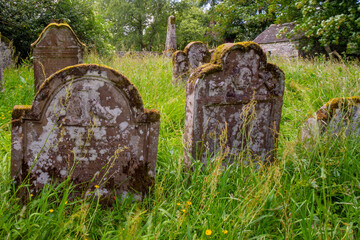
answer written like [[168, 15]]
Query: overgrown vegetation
[[305, 194]]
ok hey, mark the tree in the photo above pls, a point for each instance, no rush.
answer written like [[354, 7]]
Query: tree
[[136, 24], [191, 23], [23, 20], [329, 24], [241, 20], [334, 25]]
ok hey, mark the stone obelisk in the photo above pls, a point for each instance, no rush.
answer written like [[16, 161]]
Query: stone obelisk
[[170, 45]]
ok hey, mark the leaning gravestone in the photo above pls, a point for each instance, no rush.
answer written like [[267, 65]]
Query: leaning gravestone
[[57, 47], [86, 122], [194, 55], [239, 95], [338, 116], [170, 45]]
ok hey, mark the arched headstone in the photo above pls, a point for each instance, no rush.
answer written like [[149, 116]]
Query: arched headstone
[[57, 47], [87, 122], [238, 94], [184, 62]]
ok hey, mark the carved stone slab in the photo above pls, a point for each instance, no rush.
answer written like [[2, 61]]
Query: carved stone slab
[[170, 45], [86, 121], [56, 48], [238, 93], [8, 51], [184, 62], [339, 115]]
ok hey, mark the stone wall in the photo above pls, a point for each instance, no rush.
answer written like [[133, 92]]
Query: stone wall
[[285, 49]]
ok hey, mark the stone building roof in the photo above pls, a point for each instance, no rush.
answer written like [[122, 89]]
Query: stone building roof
[[269, 35]]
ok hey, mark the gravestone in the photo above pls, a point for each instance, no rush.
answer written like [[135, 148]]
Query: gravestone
[[57, 47], [87, 122], [8, 51], [237, 95], [1, 69], [184, 62], [338, 116], [170, 45]]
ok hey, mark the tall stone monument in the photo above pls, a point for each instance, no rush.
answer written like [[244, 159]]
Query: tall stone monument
[[185, 62], [237, 95], [170, 45], [87, 122], [57, 47]]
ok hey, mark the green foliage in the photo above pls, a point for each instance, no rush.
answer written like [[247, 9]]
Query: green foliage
[[239, 20], [335, 24], [331, 24], [307, 193], [137, 25], [191, 23], [23, 20]]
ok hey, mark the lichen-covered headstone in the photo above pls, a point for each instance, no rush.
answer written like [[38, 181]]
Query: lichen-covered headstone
[[338, 116], [237, 95], [194, 55], [8, 52], [170, 45], [57, 47], [86, 122]]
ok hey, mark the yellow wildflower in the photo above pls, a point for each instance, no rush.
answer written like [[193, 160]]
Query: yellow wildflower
[[51, 210], [96, 186], [208, 232], [183, 210], [66, 202], [188, 203], [225, 231], [178, 204]]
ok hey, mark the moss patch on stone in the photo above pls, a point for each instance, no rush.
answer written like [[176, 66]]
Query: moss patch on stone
[[328, 110], [19, 111]]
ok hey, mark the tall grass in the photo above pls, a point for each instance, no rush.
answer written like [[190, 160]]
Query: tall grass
[[306, 193]]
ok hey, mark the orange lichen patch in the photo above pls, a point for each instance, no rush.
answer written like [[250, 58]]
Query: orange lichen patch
[[20, 111], [204, 70], [58, 25], [328, 110]]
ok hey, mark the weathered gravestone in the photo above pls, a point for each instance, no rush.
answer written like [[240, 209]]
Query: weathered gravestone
[[184, 62], [170, 45], [238, 94], [8, 52], [56, 48], [1, 69], [338, 116], [86, 121]]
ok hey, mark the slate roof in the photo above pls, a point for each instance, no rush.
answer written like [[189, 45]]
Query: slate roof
[[269, 35]]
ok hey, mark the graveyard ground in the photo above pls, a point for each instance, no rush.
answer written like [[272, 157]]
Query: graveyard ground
[[307, 193]]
